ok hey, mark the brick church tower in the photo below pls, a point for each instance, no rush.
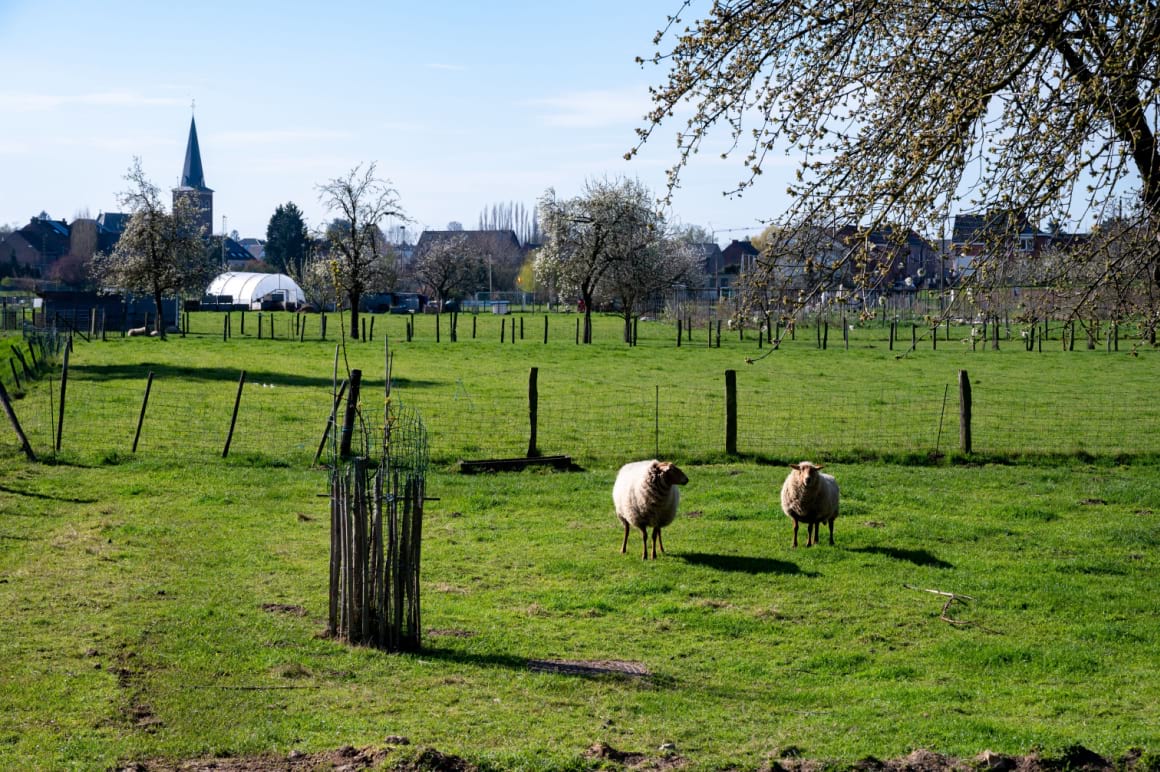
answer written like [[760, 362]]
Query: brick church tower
[[192, 186]]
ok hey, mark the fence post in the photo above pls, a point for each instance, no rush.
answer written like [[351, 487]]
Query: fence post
[[323, 320], [16, 424], [144, 404], [892, 324], [731, 412], [545, 329], [533, 410], [503, 329], [63, 386], [348, 419], [438, 334], [330, 420], [234, 417], [15, 376], [964, 411]]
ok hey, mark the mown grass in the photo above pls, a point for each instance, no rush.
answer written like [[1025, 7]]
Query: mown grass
[[158, 607]]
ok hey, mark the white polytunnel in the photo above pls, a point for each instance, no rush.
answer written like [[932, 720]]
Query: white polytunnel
[[254, 289]]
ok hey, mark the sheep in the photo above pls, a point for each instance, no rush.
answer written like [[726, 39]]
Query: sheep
[[135, 331], [810, 497], [646, 494]]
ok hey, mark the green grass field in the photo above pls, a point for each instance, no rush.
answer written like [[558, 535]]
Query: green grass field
[[170, 605]]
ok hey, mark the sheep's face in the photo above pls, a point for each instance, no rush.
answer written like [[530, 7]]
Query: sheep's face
[[808, 473], [672, 474]]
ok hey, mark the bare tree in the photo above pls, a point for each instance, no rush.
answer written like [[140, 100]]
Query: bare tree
[[901, 110], [160, 253], [358, 251], [611, 223], [656, 266], [447, 267]]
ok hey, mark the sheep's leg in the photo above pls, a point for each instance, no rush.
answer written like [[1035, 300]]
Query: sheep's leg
[[811, 534], [624, 546], [831, 533], [795, 526], [660, 538], [644, 534]]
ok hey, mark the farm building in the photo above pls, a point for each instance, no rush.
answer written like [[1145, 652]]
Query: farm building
[[258, 291]]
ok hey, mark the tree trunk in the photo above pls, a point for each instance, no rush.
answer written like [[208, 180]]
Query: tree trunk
[[587, 317], [160, 317], [354, 299]]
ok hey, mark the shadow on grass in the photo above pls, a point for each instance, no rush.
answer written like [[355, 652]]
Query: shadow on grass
[[542, 666], [45, 496], [743, 564], [228, 374], [917, 557]]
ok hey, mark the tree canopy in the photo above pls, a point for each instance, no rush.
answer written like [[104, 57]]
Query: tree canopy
[[898, 111], [610, 239], [359, 256], [288, 240], [161, 252], [448, 267]]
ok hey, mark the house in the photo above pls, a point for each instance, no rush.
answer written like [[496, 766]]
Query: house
[[896, 256], [739, 257], [500, 250], [32, 249]]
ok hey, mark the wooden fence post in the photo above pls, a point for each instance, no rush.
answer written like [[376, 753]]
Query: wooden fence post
[[63, 386], [964, 411], [545, 329], [16, 424], [731, 412], [330, 421], [141, 417], [438, 326], [234, 417], [533, 410], [351, 410]]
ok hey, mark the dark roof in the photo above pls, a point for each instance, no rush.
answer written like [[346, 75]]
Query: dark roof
[[192, 176], [48, 237], [733, 254], [112, 222], [494, 243], [883, 237], [973, 228], [236, 252]]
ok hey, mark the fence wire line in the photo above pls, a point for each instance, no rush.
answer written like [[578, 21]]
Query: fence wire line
[[595, 423]]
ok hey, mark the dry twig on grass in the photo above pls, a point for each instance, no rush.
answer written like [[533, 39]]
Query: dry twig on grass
[[951, 598]]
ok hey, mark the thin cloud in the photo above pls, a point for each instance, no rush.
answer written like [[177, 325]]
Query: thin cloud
[[446, 67], [262, 137], [593, 109], [28, 102]]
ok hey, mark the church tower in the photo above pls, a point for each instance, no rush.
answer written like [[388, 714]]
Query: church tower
[[192, 186]]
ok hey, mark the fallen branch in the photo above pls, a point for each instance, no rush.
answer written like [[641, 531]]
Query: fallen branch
[[951, 597]]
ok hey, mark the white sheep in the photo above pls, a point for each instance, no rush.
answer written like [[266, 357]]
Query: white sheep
[[646, 494], [810, 497], [133, 332]]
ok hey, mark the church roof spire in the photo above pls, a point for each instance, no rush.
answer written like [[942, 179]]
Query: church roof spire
[[192, 176]]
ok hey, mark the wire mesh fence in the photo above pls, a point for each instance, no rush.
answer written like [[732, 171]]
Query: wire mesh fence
[[597, 423]]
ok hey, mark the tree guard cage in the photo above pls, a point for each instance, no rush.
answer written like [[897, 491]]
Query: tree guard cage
[[376, 526]]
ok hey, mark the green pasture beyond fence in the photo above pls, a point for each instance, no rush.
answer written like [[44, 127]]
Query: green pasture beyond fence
[[605, 421]]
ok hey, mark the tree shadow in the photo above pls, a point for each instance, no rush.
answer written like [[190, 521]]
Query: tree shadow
[[45, 496], [532, 665], [228, 374], [743, 564], [917, 557]]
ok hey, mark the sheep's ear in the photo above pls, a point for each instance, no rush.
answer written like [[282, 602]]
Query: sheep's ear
[[819, 468], [796, 467]]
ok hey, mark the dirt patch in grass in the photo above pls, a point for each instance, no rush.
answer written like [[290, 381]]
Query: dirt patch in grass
[[350, 759]]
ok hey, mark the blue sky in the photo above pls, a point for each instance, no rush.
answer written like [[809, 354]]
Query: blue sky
[[461, 104]]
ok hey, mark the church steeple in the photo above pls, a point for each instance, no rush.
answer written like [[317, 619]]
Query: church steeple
[[193, 176], [192, 187]]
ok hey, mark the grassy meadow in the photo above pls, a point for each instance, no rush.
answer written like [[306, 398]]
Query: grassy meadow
[[169, 605]]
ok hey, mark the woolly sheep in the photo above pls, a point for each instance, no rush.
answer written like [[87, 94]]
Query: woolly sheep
[[810, 497], [646, 494]]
